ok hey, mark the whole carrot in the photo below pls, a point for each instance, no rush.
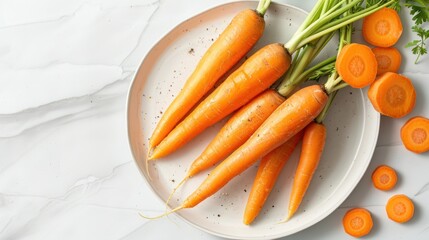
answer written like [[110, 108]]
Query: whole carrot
[[245, 29], [313, 143], [268, 171]]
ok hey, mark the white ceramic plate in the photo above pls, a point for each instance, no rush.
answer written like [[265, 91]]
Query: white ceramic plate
[[352, 133]]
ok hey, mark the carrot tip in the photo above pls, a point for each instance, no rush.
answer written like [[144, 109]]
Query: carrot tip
[[175, 189], [289, 216]]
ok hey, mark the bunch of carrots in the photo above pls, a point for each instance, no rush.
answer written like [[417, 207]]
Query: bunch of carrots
[[271, 117]]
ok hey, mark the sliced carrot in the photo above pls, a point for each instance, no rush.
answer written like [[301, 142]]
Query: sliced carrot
[[384, 178], [382, 28], [400, 208], [268, 171], [357, 222], [311, 152], [236, 40], [357, 65], [392, 95], [388, 59], [287, 120], [254, 76], [415, 134]]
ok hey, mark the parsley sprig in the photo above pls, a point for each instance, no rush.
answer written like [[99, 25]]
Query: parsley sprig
[[419, 9]]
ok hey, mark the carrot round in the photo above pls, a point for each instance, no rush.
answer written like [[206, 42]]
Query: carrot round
[[255, 75], [384, 178], [313, 143], [357, 222], [245, 29], [268, 171], [287, 120], [237, 130], [392, 95], [415, 134], [388, 59], [357, 65], [382, 28], [400, 208]]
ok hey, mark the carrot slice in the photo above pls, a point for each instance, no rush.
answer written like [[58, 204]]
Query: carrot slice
[[392, 95], [357, 65], [357, 222], [388, 59], [382, 28], [384, 178], [400, 208], [415, 134]]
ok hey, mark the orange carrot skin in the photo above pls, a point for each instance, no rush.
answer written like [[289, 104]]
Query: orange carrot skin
[[237, 130], [287, 120], [255, 75], [268, 171], [245, 29], [313, 143]]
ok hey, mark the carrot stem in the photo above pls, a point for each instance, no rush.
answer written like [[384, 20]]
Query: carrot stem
[[263, 7], [326, 27]]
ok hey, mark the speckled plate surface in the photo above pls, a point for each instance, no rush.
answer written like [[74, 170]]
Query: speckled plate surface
[[352, 133]]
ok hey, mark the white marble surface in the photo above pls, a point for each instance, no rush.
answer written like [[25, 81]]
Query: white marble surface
[[66, 171]]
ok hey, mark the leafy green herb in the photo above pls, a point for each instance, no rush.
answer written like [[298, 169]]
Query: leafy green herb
[[419, 46], [419, 9]]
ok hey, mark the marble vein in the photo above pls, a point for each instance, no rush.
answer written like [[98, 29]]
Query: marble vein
[[422, 190], [25, 120], [142, 33]]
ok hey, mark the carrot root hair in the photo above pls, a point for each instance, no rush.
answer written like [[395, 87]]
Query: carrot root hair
[[162, 215], [174, 190]]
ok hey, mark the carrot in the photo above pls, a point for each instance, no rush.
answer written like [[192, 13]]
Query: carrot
[[234, 42], [255, 75], [388, 59], [357, 65], [286, 121], [384, 178], [415, 134], [392, 95], [382, 28], [312, 148], [357, 222], [400, 208], [268, 171]]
